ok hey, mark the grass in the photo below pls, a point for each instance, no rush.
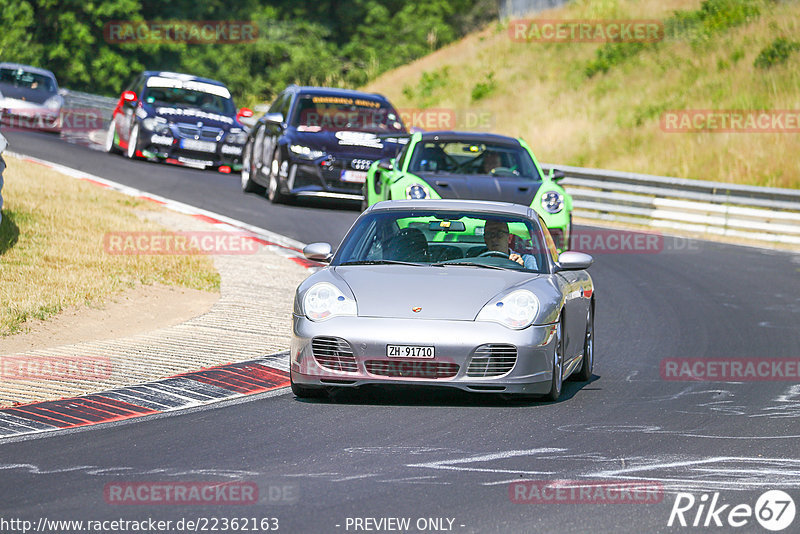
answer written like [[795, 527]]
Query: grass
[[600, 105], [51, 247]]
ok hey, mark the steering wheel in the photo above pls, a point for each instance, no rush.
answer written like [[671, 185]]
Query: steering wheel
[[493, 254]]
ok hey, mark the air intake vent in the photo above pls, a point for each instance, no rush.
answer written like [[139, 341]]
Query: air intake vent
[[412, 369], [334, 353], [492, 360]]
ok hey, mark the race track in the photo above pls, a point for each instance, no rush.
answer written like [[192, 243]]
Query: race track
[[439, 454]]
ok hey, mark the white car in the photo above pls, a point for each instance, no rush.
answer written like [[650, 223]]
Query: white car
[[29, 97]]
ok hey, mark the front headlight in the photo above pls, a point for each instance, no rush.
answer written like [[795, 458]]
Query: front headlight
[[416, 192], [324, 300], [236, 136], [54, 102], [306, 152], [516, 310], [157, 124], [553, 202]]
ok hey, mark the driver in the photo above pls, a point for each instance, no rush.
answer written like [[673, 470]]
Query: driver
[[495, 235], [491, 160]]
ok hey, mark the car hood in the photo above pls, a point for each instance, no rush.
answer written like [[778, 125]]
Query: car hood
[[449, 293], [482, 187], [193, 116], [348, 143], [24, 93]]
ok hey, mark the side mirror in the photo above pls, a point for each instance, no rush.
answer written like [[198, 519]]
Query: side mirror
[[244, 112], [318, 252], [129, 96], [574, 261], [556, 175], [277, 118], [386, 164]]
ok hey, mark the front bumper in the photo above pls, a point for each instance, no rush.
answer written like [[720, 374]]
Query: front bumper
[[166, 148], [20, 114], [457, 345], [311, 178]]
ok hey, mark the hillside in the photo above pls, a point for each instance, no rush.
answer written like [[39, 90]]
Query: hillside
[[602, 105]]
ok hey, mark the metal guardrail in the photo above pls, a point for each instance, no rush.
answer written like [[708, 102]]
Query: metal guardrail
[[766, 214]]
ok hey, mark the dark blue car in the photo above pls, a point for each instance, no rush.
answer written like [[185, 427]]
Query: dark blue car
[[178, 118]]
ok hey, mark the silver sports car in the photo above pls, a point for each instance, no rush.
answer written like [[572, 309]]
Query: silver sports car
[[465, 294]]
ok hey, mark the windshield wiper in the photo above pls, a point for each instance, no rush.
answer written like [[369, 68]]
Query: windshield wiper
[[470, 264], [381, 262]]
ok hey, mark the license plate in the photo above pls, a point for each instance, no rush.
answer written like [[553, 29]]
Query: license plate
[[409, 351], [358, 177], [199, 146]]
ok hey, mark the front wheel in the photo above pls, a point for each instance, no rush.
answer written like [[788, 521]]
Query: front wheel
[[278, 169], [248, 169], [133, 140], [558, 363], [110, 147]]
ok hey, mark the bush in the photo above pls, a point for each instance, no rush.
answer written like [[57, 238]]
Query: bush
[[484, 88], [776, 53]]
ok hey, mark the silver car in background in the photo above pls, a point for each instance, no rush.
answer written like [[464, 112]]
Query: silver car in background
[[29, 97], [464, 294]]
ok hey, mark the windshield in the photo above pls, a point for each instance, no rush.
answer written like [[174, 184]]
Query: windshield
[[27, 80], [445, 239], [317, 113], [473, 158]]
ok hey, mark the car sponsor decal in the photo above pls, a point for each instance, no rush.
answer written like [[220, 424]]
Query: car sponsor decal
[[359, 139], [196, 113], [158, 81]]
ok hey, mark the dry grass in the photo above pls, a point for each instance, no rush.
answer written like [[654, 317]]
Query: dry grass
[[51, 247], [612, 120]]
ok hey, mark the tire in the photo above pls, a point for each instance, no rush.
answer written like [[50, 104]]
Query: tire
[[302, 392], [557, 381], [248, 185], [110, 147], [133, 140], [584, 374], [274, 190]]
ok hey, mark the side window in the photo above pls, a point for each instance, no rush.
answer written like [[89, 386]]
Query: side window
[[276, 105], [285, 106]]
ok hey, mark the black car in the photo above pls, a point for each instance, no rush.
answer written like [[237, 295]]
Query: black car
[[320, 141], [178, 118]]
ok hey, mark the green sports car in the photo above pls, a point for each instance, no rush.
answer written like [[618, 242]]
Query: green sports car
[[472, 166]]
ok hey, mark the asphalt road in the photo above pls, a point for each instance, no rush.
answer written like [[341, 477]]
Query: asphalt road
[[434, 454]]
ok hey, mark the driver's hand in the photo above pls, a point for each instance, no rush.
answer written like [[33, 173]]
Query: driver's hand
[[516, 257]]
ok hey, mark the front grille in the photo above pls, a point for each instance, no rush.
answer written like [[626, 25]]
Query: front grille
[[412, 369], [334, 353], [206, 132], [492, 360]]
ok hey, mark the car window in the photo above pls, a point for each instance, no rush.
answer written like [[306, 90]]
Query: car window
[[24, 79], [401, 158], [551, 245], [473, 158], [442, 238], [197, 95]]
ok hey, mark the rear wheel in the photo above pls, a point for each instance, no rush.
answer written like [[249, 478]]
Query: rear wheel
[[584, 374], [248, 169], [278, 169], [558, 362], [303, 392], [133, 140], [110, 147]]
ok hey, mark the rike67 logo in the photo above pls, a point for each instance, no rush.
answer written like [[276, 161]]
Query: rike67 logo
[[774, 510]]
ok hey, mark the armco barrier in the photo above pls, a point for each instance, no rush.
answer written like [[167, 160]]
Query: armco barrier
[[765, 214]]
